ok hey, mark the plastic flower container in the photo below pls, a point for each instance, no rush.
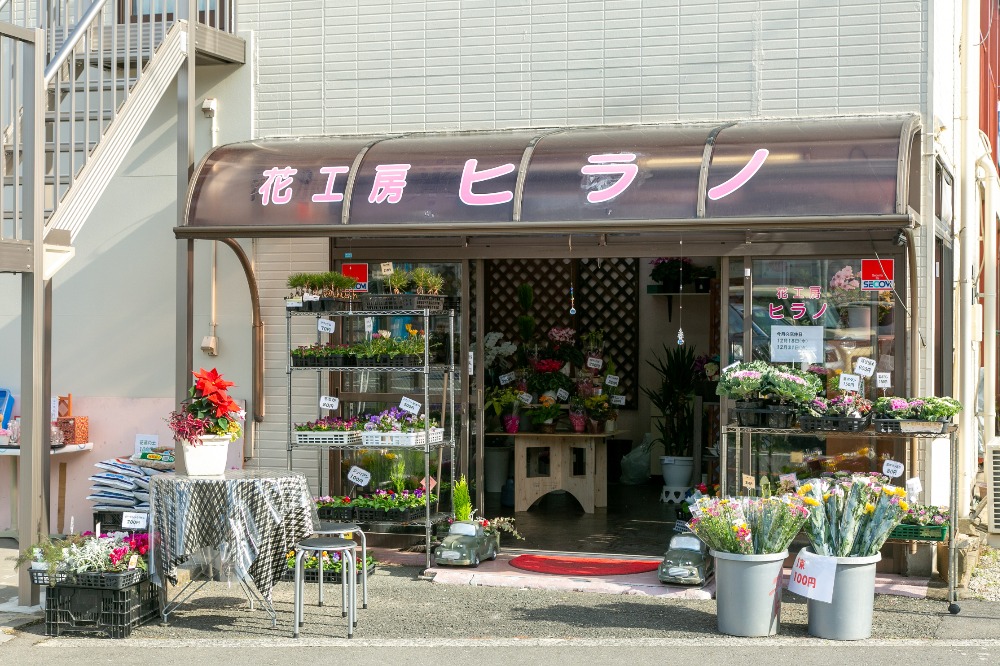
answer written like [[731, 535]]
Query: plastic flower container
[[114, 612], [920, 532]]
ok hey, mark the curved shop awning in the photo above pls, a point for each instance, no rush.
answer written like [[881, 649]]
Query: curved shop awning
[[606, 179]]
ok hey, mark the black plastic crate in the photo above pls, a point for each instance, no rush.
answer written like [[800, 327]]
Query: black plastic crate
[[41, 576], [402, 302], [910, 426], [832, 423], [111, 612], [339, 514]]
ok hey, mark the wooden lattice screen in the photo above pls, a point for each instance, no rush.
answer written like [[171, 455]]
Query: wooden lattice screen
[[607, 297]]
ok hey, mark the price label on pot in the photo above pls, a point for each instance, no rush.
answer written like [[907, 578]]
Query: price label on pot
[[729, 367], [849, 382], [892, 468], [883, 379], [133, 561], [293, 302], [611, 380], [386, 268], [789, 479], [359, 476], [132, 520], [369, 325], [310, 297], [749, 482], [864, 366], [595, 363], [618, 400], [409, 405], [325, 325], [525, 398], [328, 402], [562, 394], [812, 576], [507, 379]]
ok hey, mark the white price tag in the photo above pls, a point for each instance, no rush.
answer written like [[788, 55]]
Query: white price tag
[[892, 468], [864, 366], [789, 478], [293, 302], [611, 380], [749, 482], [729, 367], [849, 382], [359, 476], [618, 400], [409, 405], [472, 365], [325, 325], [883, 380], [525, 398], [386, 268], [507, 379], [492, 339], [133, 561], [329, 402], [913, 486], [55, 408], [595, 363], [562, 394], [310, 297], [132, 520], [145, 443], [369, 325], [812, 576]]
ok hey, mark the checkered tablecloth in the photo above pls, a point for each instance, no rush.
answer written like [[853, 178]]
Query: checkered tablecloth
[[245, 521]]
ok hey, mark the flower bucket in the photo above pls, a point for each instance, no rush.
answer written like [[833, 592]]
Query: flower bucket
[[207, 458], [848, 616], [748, 593]]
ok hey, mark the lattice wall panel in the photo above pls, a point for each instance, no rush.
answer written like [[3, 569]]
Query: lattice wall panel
[[551, 279], [608, 298]]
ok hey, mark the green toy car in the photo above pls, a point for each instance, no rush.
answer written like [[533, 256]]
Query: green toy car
[[686, 561], [466, 544]]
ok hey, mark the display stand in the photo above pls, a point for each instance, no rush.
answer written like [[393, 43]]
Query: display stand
[[744, 432], [425, 368]]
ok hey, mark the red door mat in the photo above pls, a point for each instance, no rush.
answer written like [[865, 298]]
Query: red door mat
[[582, 566]]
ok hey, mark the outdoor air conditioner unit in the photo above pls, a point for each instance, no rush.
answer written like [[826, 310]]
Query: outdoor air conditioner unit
[[992, 468]]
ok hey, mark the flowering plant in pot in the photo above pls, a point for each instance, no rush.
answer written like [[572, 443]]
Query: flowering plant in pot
[[671, 272], [505, 404], [544, 415], [577, 414], [786, 388], [929, 414], [742, 381], [206, 423], [598, 411]]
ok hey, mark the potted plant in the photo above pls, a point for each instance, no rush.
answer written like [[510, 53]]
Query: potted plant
[[741, 383], [848, 412], [544, 415], [598, 409], [206, 423], [702, 277], [749, 538], [851, 519], [525, 320], [853, 304], [673, 396], [919, 415], [671, 272], [577, 414], [786, 388], [504, 403]]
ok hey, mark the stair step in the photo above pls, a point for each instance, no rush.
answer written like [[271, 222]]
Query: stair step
[[8, 181], [80, 116], [83, 86], [63, 146]]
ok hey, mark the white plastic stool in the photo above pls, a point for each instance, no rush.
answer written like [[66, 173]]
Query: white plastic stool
[[340, 529], [348, 578]]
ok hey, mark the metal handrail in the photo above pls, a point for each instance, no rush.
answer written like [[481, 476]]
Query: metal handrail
[[79, 31]]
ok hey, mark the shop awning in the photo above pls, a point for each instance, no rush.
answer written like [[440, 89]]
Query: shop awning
[[790, 172]]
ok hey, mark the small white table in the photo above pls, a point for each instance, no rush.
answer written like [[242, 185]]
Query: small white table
[[14, 454]]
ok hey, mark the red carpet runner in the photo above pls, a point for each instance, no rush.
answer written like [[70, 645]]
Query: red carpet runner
[[582, 566]]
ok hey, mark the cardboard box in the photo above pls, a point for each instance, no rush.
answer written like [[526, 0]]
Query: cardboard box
[[75, 429]]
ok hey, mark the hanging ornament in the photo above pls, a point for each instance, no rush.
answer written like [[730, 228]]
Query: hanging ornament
[[572, 302], [680, 300], [680, 336]]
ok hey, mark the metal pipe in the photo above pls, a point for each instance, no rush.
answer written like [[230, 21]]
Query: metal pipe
[[989, 295], [911, 258], [78, 33], [257, 349]]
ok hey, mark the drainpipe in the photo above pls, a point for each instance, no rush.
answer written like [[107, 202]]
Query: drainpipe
[[968, 123], [990, 199]]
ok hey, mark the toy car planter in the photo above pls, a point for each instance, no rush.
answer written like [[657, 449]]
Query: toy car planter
[[686, 561], [466, 544]]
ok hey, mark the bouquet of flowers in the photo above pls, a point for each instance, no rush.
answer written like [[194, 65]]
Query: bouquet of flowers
[[748, 525], [852, 516]]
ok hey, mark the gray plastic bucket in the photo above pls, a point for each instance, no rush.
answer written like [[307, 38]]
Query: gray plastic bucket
[[748, 593], [848, 616]]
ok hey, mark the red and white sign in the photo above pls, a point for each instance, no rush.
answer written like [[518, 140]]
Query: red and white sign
[[360, 274], [877, 275]]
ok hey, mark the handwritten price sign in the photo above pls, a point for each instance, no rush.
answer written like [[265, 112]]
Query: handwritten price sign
[[359, 476], [507, 379], [325, 325], [409, 405], [329, 402], [611, 380]]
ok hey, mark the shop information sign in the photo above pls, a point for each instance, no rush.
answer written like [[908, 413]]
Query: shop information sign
[[883, 380], [813, 575], [387, 268], [507, 379], [797, 344], [358, 476], [145, 443], [749, 482], [369, 325], [611, 380], [892, 468], [562, 394], [525, 398], [595, 363]]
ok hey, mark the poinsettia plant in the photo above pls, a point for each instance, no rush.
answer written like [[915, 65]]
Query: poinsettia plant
[[209, 410]]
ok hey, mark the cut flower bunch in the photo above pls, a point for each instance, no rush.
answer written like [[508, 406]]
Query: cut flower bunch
[[748, 525], [853, 516]]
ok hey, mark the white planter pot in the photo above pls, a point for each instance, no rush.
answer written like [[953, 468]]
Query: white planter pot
[[677, 471], [207, 458], [497, 459]]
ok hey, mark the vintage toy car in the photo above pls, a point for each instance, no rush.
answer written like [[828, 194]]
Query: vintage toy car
[[686, 561], [466, 544]]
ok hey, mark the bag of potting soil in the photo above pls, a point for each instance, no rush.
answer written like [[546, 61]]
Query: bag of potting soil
[[635, 463]]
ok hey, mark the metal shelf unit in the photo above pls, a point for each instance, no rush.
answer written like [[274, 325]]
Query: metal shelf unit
[[446, 370], [746, 432]]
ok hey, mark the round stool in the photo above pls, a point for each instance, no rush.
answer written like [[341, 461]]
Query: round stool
[[340, 529], [348, 578]]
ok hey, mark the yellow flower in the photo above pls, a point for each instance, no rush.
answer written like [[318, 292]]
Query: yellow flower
[[804, 489], [869, 507], [826, 497], [903, 505], [901, 492], [809, 501], [863, 451]]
